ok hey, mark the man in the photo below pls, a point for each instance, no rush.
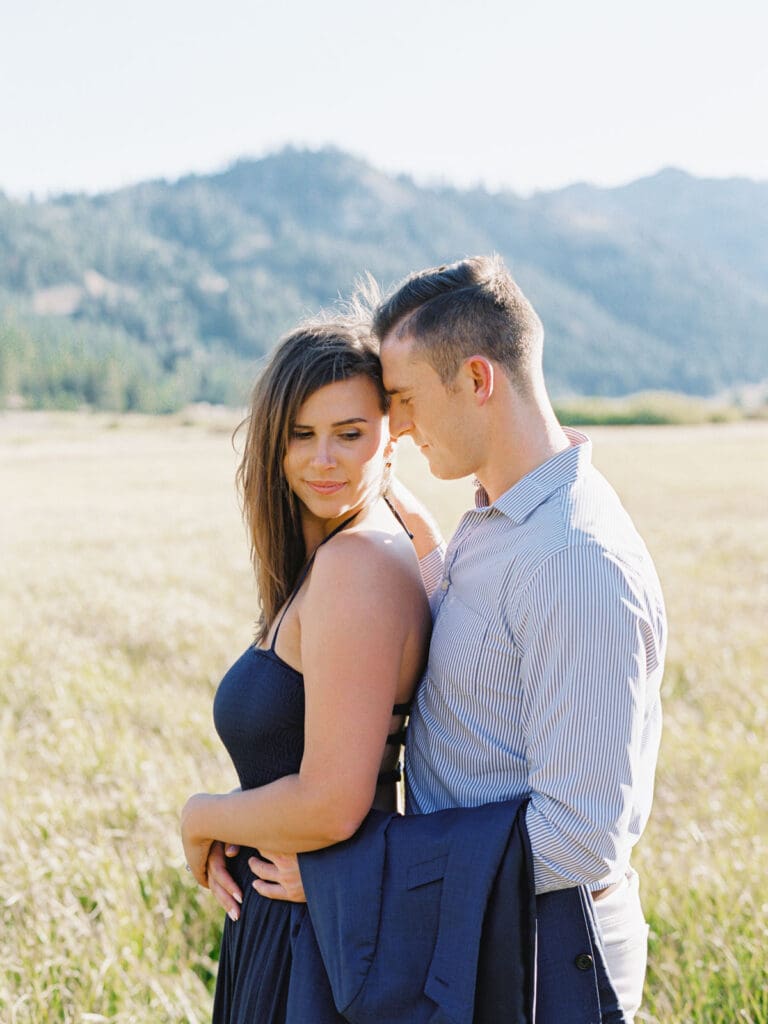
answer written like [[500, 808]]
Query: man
[[549, 629]]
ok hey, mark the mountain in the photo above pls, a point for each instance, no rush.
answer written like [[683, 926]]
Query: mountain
[[167, 292]]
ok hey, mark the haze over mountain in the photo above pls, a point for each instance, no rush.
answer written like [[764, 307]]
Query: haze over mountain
[[168, 292]]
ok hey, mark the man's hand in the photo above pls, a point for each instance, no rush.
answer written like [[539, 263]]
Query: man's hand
[[278, 877], [221, 883]]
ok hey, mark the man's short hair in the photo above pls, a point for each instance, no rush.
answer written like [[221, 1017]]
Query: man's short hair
[[473, 307]]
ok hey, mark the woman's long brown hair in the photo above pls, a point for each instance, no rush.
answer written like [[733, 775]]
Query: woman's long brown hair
[[317, 353]]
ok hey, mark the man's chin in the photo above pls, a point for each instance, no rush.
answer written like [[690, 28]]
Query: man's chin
[[441, 471]]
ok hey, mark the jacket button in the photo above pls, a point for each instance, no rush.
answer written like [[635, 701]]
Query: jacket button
[[584, 962]]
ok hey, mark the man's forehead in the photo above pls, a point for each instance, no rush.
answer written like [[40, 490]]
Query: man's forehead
[[399, 365]]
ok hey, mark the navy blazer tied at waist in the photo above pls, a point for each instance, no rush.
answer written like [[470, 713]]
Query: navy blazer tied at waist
[[426, 918]]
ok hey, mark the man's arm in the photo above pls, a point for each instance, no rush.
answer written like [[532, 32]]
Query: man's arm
[[591, 646]]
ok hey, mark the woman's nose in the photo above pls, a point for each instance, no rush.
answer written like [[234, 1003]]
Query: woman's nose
[[323, 454]]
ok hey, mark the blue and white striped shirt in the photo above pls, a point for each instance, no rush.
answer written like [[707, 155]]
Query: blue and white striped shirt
[[544, 671]]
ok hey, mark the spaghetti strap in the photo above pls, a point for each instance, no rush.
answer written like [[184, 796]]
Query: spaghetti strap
[[397, 516], [303, 575]]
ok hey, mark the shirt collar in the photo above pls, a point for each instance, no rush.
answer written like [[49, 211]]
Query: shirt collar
[[535, 487]]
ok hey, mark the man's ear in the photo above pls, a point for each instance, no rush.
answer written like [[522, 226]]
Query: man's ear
[[481, 374]]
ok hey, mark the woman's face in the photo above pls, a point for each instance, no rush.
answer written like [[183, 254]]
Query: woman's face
[[334, 461]]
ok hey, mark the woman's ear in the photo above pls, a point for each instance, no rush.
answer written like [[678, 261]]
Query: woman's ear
[[389, 450], [389, 454]]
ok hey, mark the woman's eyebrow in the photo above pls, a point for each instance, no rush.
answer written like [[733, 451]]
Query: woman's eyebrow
[[338, 423]]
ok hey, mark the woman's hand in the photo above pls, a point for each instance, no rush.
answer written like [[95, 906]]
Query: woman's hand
[[222, 885], [196, 844], [278, 877]]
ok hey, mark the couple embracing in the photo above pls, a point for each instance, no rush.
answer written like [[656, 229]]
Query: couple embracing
[[537, 641]]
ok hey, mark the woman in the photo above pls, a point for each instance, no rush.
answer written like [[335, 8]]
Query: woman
[[311, 712]]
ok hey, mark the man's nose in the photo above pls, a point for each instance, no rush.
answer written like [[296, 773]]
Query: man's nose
[[399, 421]]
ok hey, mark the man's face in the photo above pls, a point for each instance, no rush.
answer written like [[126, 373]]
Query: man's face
[[436, 417]]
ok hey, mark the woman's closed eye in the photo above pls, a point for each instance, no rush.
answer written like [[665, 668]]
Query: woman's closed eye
[[304, 434]]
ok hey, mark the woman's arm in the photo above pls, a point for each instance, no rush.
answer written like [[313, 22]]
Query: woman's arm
[[355, 621]]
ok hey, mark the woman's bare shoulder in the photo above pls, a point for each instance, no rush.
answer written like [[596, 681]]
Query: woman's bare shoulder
[[368, 586], [360, 561], [357, 551]]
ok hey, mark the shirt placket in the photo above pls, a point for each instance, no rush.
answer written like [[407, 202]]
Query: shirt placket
[[468, 525]]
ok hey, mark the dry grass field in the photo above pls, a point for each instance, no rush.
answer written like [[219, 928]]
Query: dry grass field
[[125, 592]]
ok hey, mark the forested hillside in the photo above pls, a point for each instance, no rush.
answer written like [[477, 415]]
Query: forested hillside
[[165, 293]]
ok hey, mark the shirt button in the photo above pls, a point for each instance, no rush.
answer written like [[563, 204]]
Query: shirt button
[[445, 584], [584, 962]]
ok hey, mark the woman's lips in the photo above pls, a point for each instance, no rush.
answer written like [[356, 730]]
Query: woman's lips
[[324, 486]]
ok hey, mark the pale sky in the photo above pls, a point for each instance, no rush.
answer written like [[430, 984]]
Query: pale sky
[[513, 94]]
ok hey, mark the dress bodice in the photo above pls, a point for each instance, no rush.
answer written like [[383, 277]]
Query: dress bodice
[[259, 715]]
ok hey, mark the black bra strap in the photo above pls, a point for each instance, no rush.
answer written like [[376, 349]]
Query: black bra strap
[[304, 573]]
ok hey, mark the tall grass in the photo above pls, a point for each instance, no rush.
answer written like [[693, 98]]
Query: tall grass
[[655, 408], [125, 594]]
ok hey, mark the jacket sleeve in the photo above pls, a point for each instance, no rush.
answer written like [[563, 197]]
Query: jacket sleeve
[[343, 886]]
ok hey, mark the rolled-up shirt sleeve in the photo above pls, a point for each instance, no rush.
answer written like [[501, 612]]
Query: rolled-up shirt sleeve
[[431, 568], [591, 652]]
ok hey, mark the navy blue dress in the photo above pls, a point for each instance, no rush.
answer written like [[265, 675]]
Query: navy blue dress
[[259, 715]]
